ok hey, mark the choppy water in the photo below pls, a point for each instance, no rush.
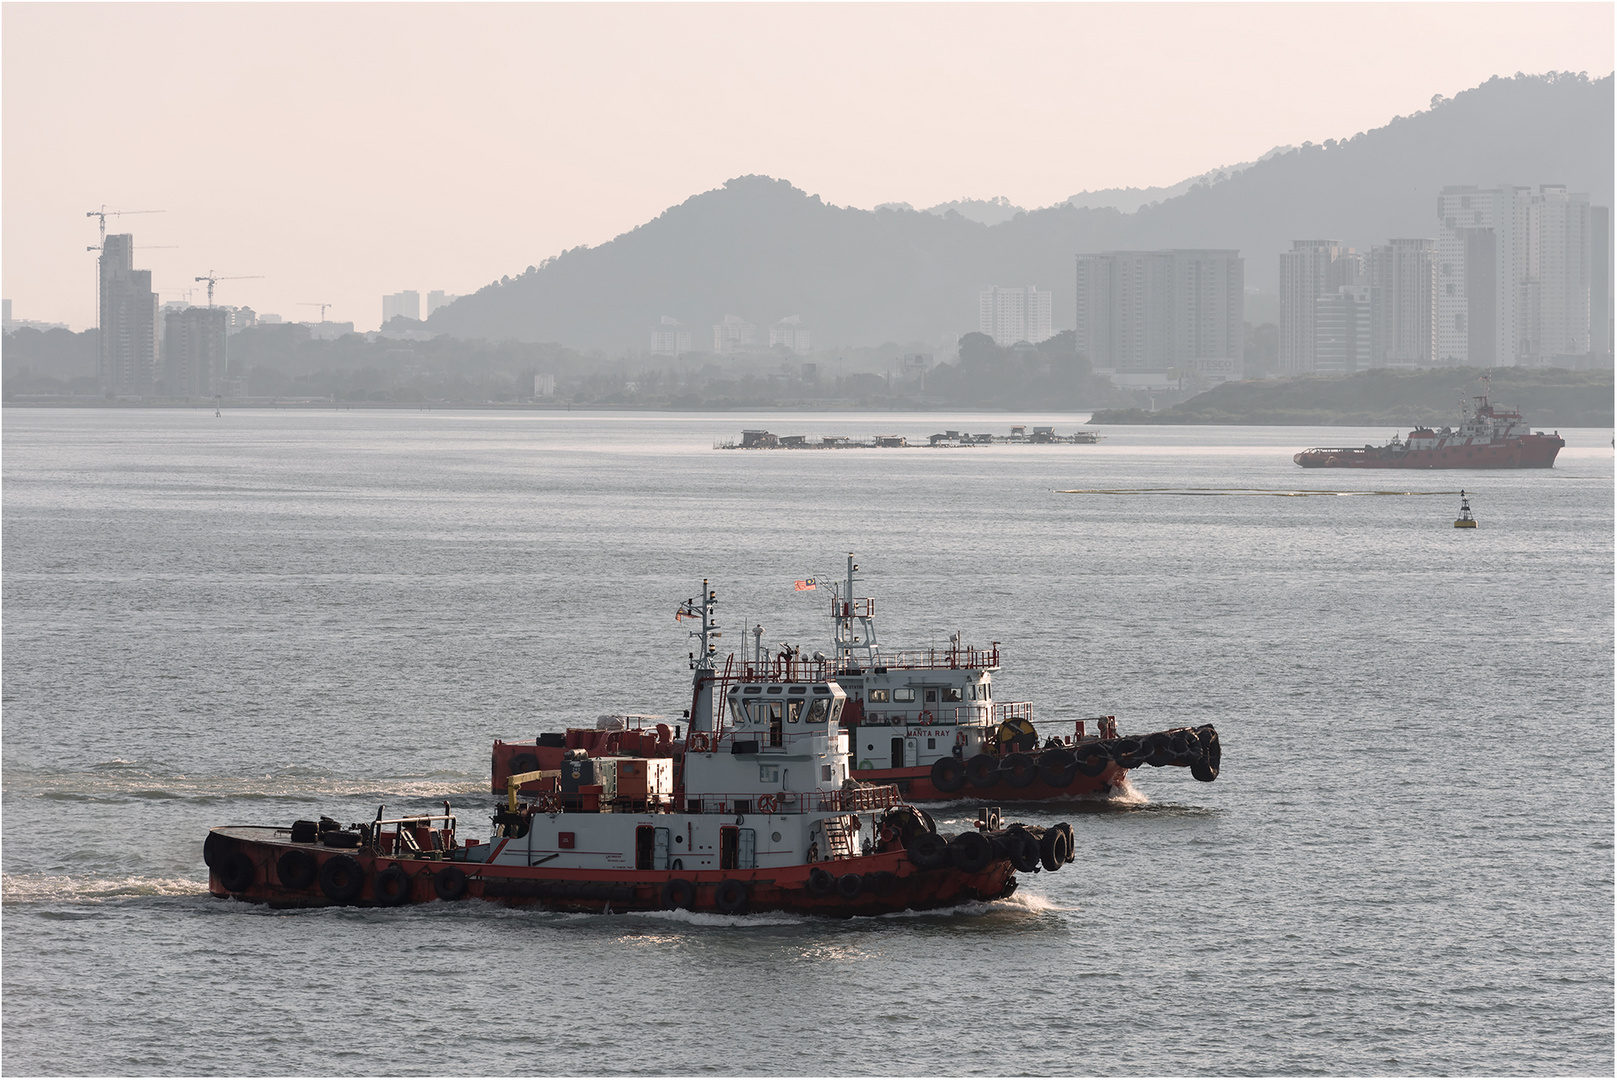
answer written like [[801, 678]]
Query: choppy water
[[1406, 865]]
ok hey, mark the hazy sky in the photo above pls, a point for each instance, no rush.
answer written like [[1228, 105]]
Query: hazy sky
[[344, 151]]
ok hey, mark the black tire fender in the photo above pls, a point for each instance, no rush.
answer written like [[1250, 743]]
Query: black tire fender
[[215, 849], [820, 881], [297, 869], [449, 883], [1053, 849], [849, 886], [730, 896], [881, 882], [1158, 749], [1128, 753], [983, 771], [971, 852], [1093, 758], [678, 894], [928, 851], [1023, 849], [948, 774], [521, 763], [1058, 767], [341, 878], [392, 886], [1019, 770], [237, 873]]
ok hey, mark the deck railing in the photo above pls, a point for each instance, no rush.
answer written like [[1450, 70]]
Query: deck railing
[[865, 797]]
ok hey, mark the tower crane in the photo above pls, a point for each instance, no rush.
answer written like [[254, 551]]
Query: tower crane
[[211, 278], [318, 304], [104, 213]]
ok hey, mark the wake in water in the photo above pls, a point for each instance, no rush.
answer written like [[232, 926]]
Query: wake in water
[[1286, 493], [87, 888]]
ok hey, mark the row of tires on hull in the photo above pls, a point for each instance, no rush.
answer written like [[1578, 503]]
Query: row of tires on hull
[[1028, 847], [1196, 748], [340, 877]]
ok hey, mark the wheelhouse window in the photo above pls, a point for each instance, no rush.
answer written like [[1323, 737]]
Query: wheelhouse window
[[951, 693], [904, 693], [817, 710], [794, 711], [879, 696], [775, 737]]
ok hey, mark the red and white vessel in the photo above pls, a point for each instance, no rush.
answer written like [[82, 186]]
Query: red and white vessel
[[924, 721], [1492, 437], [764, 815]]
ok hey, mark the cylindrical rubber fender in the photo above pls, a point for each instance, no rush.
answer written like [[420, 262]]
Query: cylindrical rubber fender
[[341, 878], [1128, 753], [1058, 767], [881, 882], [928, 851], [523, 763], [678, 894], [1092, 758], [731, 896], [1206, 769], [948, 774], [1054, 851], [1023, 849], [1019, 770], [237, 873], [1158, 749], [983, 771], [297, 869], [821, 881], [971, 852], [340, 838], [449, 883], [391, 886], [215, 849], [849, 886]]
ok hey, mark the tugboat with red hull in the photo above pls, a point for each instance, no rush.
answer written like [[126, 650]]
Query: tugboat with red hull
[[763, 816], [1493, 437], [925, 721]]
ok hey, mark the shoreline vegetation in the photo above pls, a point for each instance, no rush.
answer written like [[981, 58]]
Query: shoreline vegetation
[[1547, 398]]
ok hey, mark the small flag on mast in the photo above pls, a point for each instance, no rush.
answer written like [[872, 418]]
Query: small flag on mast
[[805, 584]]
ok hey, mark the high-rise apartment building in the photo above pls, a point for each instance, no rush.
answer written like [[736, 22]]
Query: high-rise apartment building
[[436, 299], [407, 303], [1014, 314], [128, 319], [195, 351], [1403, 280], [1310, 270], [1600, 282], [1142, 311], [1344, 331], [1513, 275], [732, 335], [671, 338], [791, 333]]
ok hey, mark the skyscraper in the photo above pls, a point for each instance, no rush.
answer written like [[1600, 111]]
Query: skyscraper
[[1310, 270], [1513, 275], [1344, 331], [128, 314], [1403, 279], [407, 303], [1155, 310], [1014, 314], [194, 351]]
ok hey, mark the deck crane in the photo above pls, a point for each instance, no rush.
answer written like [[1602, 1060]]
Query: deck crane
[[104, 213], [318, 304], [211, 278]]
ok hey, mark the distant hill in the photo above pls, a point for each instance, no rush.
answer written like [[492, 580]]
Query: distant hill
[[761, 249], [1547, 398]]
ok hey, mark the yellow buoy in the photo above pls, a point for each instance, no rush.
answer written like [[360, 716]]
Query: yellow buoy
[[1465, 520]]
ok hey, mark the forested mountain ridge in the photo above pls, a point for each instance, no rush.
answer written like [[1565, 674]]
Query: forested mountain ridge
[[762, 249]]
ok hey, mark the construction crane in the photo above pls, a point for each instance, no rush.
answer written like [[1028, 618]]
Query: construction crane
[[104, 213], [318, 304], [210, 277]]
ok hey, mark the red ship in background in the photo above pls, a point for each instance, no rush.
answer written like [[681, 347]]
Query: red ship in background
[[1493, 437]]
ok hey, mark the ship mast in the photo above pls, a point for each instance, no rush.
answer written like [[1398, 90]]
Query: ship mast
[[852, 618], [703, 661]]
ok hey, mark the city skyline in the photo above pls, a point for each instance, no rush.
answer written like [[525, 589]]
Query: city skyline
[[458, 145]]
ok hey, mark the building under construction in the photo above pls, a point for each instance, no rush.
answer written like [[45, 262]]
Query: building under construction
[[128, 338]]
